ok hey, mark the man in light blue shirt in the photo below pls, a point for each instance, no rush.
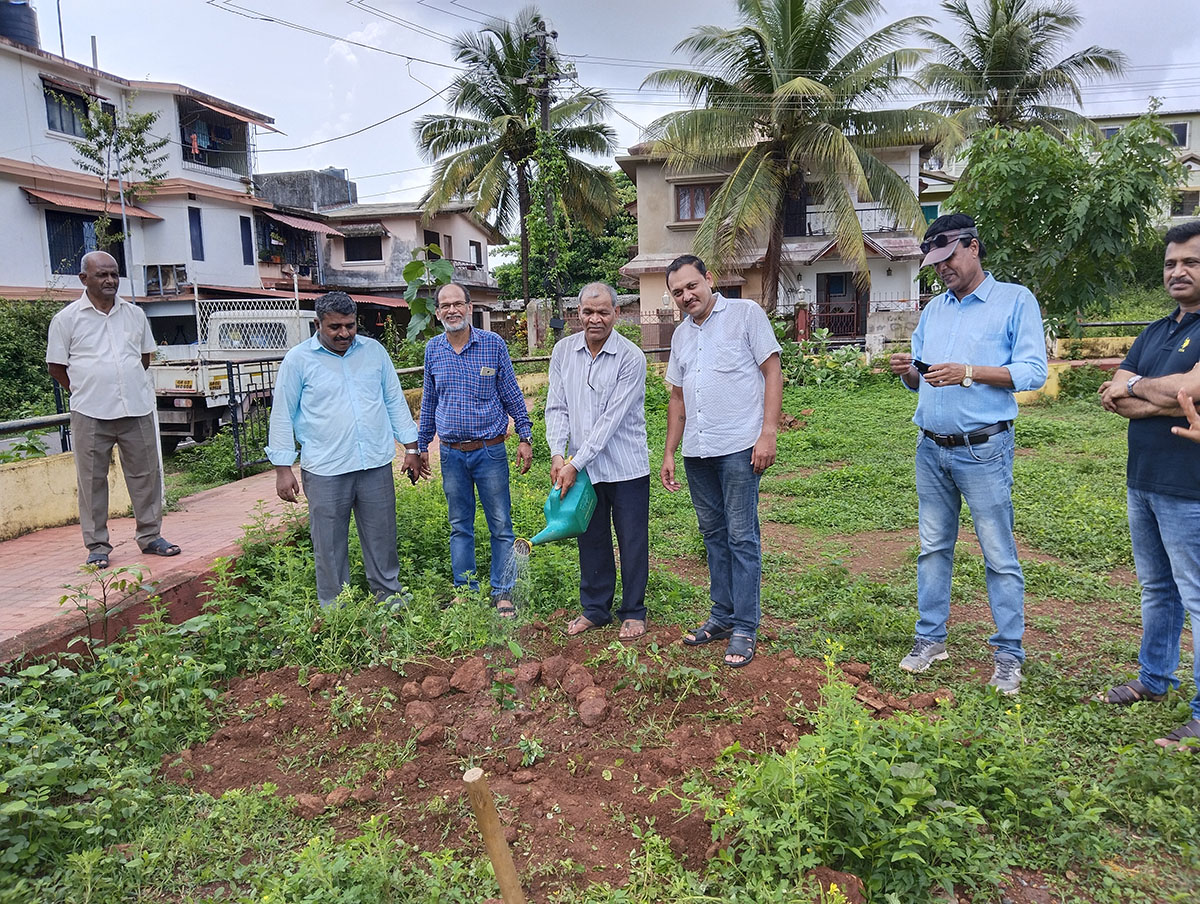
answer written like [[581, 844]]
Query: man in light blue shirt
[[338, 396], [976, 344]]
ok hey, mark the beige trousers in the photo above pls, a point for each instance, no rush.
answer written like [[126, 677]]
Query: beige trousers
[[92, 440]]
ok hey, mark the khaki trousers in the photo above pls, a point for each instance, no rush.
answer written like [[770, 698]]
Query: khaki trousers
[[93, 440]]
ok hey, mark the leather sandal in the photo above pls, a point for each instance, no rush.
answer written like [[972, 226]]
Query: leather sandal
[[1127, 694], [1185, 738], [708, 632]]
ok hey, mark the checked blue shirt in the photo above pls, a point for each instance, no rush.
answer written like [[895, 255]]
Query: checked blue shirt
[[470, 394]]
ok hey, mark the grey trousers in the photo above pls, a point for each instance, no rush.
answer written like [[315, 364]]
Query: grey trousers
[[371, 495], [93, 440]]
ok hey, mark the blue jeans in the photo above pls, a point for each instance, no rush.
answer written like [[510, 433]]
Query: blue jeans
[[1163, 529], [484, 469], [982, 475], [724, 493]]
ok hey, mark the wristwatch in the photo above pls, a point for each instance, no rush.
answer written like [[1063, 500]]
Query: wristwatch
[[410, 450], [1133, 381], [968, 379]]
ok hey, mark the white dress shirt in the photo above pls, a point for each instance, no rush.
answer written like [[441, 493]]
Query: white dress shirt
[[717, 363], [596, 408], [103, 356]]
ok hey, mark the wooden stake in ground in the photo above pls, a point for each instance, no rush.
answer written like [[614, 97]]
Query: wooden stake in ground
[[493, 836]]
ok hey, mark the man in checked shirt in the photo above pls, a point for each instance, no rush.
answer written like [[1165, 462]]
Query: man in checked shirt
[[470, 392], [595, 413]]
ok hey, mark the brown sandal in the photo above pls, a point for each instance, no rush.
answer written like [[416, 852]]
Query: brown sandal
[[1184, 738], [1127, 694], [579, 624], [632, 629]]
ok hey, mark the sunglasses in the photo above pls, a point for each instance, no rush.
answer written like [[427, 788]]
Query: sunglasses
[[942, 239]]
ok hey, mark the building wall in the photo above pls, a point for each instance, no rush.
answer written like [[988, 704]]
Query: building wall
[[405, 234], [33, 155]]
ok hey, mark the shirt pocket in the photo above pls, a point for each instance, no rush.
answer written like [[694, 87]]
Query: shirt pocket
[[486, 388]]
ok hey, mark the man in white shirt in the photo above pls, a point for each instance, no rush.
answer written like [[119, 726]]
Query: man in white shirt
[[595, 413], [726, 396], [98, 350]]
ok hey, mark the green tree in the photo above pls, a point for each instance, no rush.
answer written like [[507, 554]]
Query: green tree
[[119, 148], [592, 256], [791, 97], [1063, 217], [1005, 70], [484, 148]]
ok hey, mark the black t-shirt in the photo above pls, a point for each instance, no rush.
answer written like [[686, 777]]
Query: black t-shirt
[[1160, 461]]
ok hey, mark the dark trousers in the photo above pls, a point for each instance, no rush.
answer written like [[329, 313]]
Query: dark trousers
[[623, 505]]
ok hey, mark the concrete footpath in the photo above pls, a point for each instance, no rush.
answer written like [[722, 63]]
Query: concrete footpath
[[36, 568]]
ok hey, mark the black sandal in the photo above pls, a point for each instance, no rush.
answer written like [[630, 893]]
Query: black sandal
[[742, 645], [1179, 738], [1127, 694], [708, 632]]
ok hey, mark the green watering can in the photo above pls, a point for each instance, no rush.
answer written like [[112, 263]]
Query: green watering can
[[565, 518]]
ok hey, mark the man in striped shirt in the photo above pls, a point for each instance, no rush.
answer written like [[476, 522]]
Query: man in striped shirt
[[595, 413], [469, 394]]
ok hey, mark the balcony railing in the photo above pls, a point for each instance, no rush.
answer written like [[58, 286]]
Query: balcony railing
[[873, 219]]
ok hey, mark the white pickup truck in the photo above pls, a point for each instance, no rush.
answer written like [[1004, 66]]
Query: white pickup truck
[[192, 381]]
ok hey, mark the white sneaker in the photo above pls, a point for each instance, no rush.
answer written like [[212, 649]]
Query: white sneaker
[[924, 653], [1006, 678]]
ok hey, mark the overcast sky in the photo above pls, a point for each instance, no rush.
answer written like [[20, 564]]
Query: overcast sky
[[326, 80]]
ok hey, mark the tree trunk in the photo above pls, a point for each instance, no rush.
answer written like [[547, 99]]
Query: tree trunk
[[771, 264], [523, 203]]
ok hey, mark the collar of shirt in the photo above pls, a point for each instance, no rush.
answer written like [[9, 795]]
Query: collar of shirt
[[981, 292], [87, 303], [608, 348], [445, 337], [315, 344], [719, 304]]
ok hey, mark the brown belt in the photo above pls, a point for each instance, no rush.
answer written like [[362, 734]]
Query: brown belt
[[472, 444]]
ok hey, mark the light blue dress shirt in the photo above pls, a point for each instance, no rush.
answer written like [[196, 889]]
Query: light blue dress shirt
[[347, 412], [997, 325]]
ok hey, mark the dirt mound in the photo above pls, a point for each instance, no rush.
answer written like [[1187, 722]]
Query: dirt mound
[[575, 740]]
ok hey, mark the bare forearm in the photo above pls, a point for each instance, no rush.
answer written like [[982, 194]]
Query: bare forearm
[[772, 394], [676, 418], [58, 373], [993, 376]]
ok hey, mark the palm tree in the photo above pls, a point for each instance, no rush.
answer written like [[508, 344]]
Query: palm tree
[[485, 147], [1005, 69], [790, 105]]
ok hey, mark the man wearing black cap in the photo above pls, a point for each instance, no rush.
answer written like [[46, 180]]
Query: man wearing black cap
[[976, 344]]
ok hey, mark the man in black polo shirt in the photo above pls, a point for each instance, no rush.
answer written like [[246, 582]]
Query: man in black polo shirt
[[1164, 483]]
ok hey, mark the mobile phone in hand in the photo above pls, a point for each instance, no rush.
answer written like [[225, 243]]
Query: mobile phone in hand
[[921, 366]]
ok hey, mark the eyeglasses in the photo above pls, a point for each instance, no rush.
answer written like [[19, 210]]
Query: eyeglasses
[[448, 305], [942, 239]]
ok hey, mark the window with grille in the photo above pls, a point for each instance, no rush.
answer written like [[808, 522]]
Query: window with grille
[[70, 236], [1186, 204]]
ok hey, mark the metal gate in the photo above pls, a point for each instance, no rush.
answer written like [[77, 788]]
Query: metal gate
[[251, 387]]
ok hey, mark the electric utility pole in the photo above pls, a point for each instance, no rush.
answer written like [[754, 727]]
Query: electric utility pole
[[543, 79]]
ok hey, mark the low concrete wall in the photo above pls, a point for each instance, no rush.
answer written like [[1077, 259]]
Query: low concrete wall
[[885, 328], [41, 492]]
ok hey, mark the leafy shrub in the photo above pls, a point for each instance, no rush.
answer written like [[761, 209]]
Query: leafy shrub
[[26, 388], [1081, 382], [907, 804], [812, 362]]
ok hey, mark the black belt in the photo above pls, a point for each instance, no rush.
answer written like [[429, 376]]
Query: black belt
[[968, 439]]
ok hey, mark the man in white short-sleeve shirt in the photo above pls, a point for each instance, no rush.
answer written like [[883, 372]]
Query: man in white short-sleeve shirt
[[98, 349], [726, 396]]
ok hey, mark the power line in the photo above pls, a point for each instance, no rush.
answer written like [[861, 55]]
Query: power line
[[373, 125], [246, 12]]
